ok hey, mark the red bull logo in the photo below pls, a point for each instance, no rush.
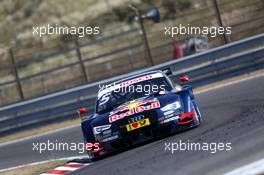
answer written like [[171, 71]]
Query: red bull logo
[[133, 105], [134, 110]]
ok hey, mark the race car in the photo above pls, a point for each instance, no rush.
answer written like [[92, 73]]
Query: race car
[[137, 109]]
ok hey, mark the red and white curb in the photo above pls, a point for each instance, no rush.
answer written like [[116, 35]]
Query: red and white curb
[[65, 168], [71, 164]]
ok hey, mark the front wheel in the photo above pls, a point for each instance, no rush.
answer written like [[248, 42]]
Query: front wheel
[[93, 156]]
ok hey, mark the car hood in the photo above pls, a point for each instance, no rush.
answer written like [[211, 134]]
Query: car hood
[[136, 106]]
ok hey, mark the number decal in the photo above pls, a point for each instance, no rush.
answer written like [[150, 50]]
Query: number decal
[[104, 99]]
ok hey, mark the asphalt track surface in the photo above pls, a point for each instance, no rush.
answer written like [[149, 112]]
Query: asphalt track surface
[[233, 113]]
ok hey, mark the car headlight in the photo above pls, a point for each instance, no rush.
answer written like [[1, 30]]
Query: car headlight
[[172, 106], [99, 129]]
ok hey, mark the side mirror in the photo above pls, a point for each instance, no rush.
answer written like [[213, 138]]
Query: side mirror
[[184, 79], [167, 71], [82, 112]]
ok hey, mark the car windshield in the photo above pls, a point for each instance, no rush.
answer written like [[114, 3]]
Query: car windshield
[[117, 97]]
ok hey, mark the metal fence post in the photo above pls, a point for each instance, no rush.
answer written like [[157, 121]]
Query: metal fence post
[[220, 21], [14, 69], [77, 45], [145, 40], [144, 36]]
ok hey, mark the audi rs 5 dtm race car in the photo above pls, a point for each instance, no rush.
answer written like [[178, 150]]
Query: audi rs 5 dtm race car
[[127, 113]]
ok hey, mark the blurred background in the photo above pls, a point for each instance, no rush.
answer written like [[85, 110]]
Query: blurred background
[[32, 66]]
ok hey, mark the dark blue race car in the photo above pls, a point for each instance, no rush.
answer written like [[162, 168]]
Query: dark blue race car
[[138, 109]]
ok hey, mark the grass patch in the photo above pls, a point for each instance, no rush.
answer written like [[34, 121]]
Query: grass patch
[[39, 130], [34, 169]]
